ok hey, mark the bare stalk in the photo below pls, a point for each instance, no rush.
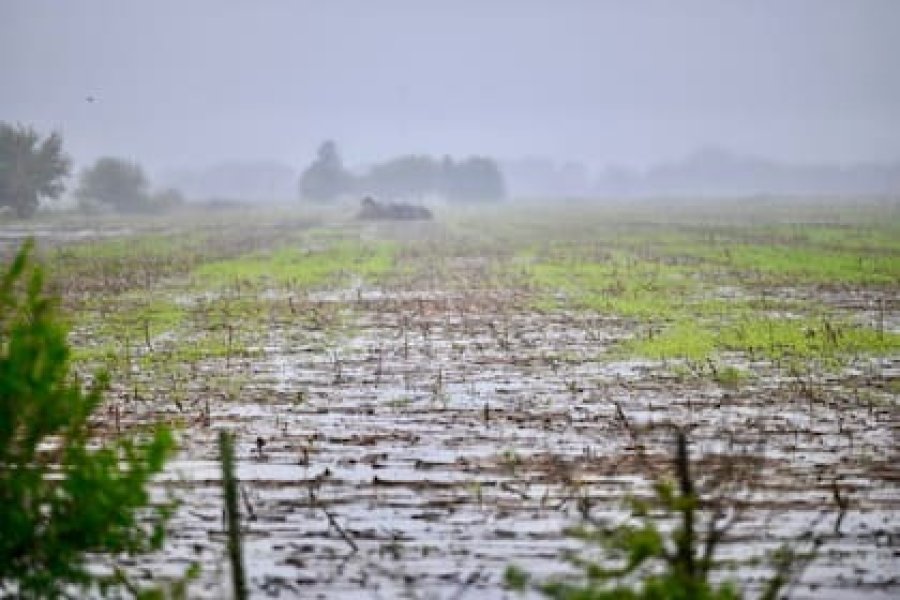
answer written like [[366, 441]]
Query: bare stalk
[[232, 515]]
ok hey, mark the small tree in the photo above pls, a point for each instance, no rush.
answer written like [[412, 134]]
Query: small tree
[[30, 168], [475, 178], [61, 494], [325, 179], [116, 183]]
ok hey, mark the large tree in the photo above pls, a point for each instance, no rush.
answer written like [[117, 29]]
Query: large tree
[[116, 183], [31, 168], [325, 178]]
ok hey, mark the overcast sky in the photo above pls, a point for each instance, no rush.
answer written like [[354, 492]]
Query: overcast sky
[[195, 82]]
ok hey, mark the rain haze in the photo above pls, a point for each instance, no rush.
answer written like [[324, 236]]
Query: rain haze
[[175, 84], [469, 299]]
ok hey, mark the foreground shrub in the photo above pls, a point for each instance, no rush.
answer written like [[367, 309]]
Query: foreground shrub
[[652, 564], [63, 494]]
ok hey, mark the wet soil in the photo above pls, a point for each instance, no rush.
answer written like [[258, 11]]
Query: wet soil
[[416, 438], [444, 435]]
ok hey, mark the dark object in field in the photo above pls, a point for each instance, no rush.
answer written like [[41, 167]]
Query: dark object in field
[[372, 209]]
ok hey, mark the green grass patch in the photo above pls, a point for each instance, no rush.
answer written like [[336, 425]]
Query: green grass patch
[[301, 268], [133, 316], [804, 338], [127, 262], [768, 338], [618, 284], [683, 339], [815, 266]]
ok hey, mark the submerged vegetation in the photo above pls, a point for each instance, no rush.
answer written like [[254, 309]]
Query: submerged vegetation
[[420, 381]]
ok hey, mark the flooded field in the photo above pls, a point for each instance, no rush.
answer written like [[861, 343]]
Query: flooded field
[[419, 406]]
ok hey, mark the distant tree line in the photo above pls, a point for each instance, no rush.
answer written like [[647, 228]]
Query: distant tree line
[[410, 177], [713, 171], [33, 167]]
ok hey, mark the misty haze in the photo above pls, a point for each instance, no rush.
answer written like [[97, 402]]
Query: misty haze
[[431, 299]]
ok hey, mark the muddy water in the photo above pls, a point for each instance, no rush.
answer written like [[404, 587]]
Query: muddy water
[[438, 439]]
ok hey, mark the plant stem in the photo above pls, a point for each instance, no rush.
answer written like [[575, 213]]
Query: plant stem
[[232, 516]]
